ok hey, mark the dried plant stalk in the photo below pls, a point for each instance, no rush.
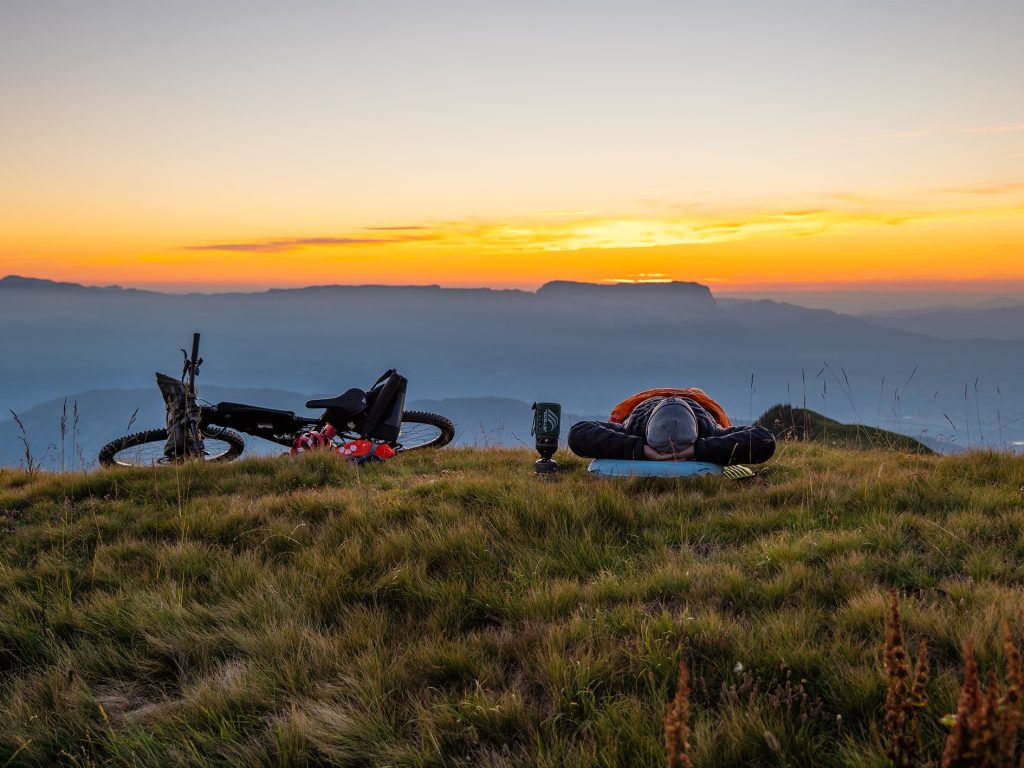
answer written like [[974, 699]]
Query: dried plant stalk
[[960, 746], [1013, 697], [905, 695], [677, 722], [988, 719]]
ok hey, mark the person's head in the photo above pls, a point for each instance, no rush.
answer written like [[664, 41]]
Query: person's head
[[672, 426]]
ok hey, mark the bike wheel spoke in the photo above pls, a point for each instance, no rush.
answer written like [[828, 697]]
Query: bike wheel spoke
[[142, 455], [152, 453], [414, 434]]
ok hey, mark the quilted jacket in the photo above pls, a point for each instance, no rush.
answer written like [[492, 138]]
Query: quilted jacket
[[715, 444]]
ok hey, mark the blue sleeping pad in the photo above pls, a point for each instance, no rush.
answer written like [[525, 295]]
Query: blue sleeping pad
[[628, 468]]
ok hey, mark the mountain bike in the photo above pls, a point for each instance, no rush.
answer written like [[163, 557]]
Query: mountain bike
[[201, 431]]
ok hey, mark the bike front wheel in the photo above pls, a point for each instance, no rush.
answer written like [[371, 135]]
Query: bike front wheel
[[146, 449], [420, 429]]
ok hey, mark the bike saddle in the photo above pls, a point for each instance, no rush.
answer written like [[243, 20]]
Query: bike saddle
[[351, 401]]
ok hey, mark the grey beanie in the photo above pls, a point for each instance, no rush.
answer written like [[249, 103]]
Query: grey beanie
[[672, 426]]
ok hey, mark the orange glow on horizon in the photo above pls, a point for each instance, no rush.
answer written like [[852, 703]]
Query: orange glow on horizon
[[848, 244]]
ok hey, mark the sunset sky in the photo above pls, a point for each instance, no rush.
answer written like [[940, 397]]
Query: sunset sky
[[213, 145]]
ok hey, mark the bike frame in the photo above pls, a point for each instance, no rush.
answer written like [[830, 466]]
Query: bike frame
[[277, 426]]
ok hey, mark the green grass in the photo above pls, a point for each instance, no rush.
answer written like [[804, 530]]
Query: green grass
[[450, 609]]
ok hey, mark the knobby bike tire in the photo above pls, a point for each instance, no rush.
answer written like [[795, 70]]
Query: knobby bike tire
[[150, 444], [416, 438]]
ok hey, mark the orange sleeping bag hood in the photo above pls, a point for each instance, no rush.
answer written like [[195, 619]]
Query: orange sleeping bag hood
[[621, 411]]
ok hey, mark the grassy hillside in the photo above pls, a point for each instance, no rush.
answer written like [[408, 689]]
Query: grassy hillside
[[449, 609], [789, 423]]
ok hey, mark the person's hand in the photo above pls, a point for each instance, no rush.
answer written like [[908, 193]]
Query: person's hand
[[655, 455], [684, 455]]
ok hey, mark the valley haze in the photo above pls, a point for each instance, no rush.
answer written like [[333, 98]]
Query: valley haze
[[953, 377]]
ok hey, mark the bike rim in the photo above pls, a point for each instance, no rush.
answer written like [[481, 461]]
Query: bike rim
[[415, 435], [152, 454]]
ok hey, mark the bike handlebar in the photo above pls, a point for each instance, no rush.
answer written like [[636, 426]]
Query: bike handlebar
[[192, 364]]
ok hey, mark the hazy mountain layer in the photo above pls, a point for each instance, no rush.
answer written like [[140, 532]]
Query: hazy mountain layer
[[997, 323], [585, 346]]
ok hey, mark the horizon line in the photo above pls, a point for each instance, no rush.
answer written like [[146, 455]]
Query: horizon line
[[994, 284]]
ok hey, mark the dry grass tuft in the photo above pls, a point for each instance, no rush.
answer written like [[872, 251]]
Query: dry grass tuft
[[677, 722], [987, 720], [905, 695]]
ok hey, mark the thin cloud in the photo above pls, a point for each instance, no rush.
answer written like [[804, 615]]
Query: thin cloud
[[632, 232], [296, 243], [652, 233], [628, 231], [641, 277]]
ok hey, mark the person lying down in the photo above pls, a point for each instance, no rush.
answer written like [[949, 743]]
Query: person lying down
[[671, 425]]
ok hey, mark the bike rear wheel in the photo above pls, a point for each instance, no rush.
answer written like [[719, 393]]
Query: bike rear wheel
[[146, 449], [420, 429]]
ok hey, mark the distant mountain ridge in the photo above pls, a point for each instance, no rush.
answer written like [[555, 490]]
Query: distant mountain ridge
[[1004, 323], [20, 283]]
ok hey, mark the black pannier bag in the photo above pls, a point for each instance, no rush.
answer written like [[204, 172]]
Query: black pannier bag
[[176, 399], [264, 422], [386, 404]]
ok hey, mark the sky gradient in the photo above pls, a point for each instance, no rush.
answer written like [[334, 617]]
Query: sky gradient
[[740, 144]]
